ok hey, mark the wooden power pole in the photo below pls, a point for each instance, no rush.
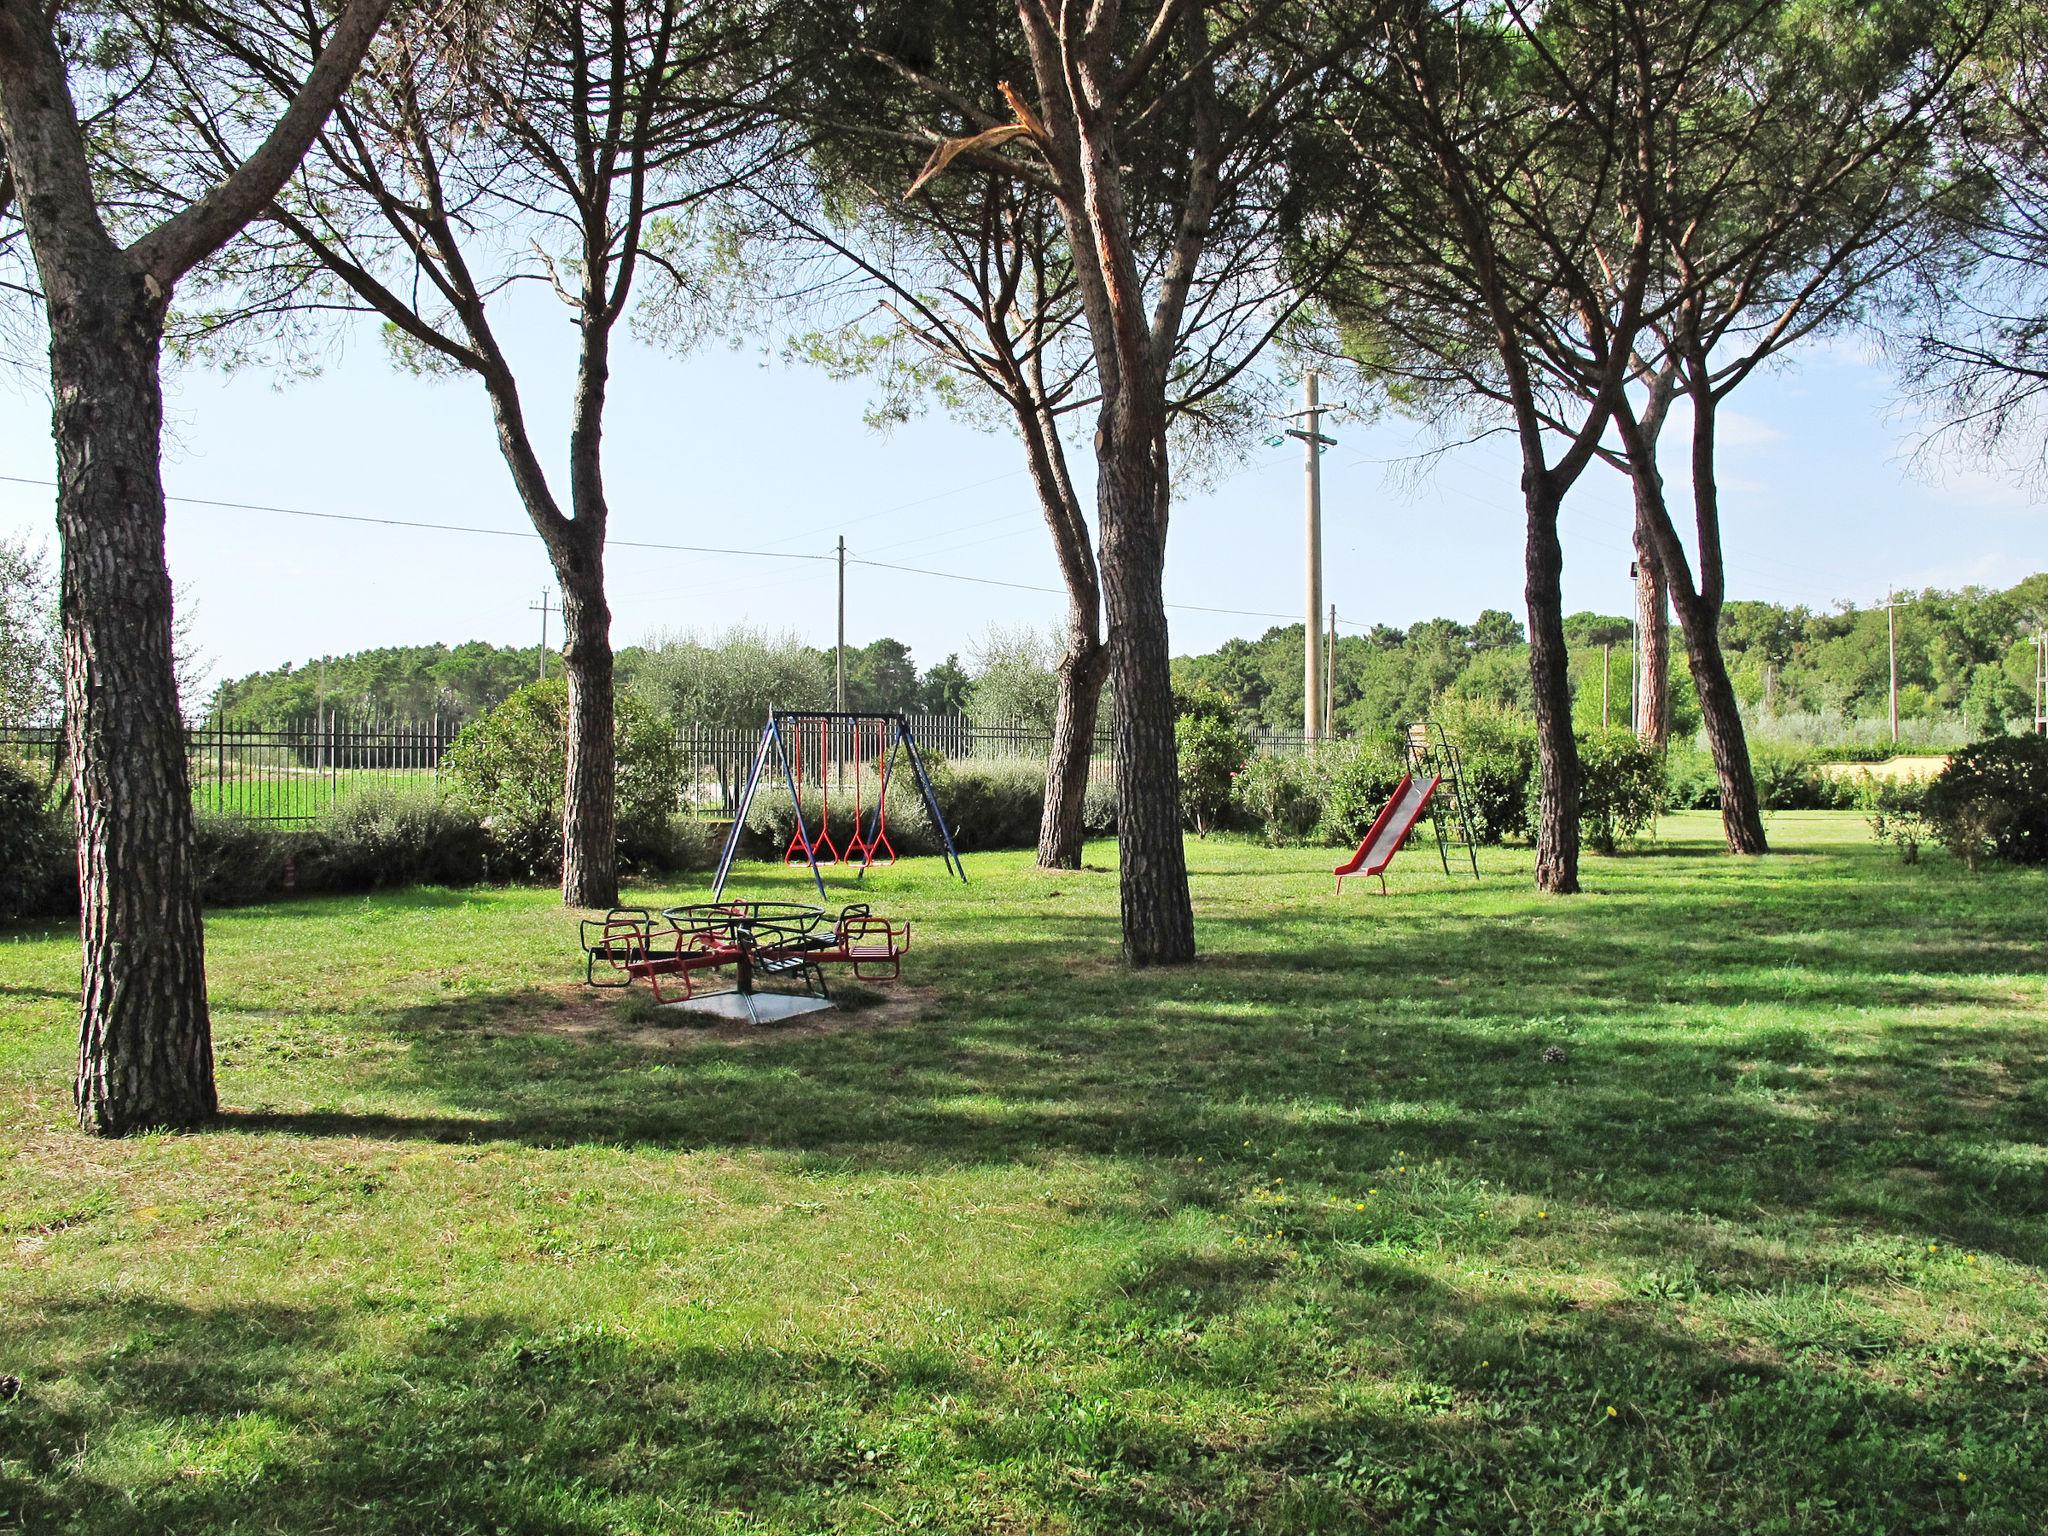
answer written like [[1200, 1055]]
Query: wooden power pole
[[1313, 442]]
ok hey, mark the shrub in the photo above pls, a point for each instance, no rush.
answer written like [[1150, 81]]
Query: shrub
[[1098, 808], [1690, 782], [381, 837], [1497, 755], [1362, 777], [1789, 778], [1991, 802], [239, 862], [989, 804], [509, 768], [1896, 811], [1622, 786], [1212, 753], [38, 858], [1279, 797]]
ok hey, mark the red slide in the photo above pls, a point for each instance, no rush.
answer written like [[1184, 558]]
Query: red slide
[[1389, 831]]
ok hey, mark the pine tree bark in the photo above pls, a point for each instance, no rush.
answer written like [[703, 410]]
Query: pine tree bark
[[1653, 634], [1742, 821], [590, 839], [1557, 752], [1082, 671], [575, 545], [145, 1042], [1158, 917], [1084, 663]]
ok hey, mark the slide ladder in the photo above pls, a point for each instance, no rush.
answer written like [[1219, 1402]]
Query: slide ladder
[[1450, 812]]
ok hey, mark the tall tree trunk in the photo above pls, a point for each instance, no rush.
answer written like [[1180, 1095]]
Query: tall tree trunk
[[590, 840], [1699, 614], [1699, 611], [1158, 918], [145, 1045], [1085, 662], [1082, 671], [1653, 634], [1557, 752], [1742, 821]]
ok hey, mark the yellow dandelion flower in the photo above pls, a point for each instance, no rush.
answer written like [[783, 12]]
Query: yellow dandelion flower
[[1962, 1477], [1613, 1412], [1934, 1247], [1971, 1259], [1543, 1215], [1361, 1205]]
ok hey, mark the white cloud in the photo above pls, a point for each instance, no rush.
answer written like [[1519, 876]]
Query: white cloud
[[1735, 429]]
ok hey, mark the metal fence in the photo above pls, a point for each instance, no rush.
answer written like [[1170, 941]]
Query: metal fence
[[300, 772], [293, 774]]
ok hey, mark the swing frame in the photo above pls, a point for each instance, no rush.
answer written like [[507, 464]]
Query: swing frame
[[784, 727]]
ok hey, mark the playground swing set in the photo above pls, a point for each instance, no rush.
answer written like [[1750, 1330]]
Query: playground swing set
[[786, 736], [683, 953]]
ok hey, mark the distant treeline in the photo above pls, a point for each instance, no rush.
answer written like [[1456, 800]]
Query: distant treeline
[[708, 681], [1966, 666]]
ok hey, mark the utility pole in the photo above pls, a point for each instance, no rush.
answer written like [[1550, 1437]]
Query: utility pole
[[2041, 683], [542, 608], [839, 663], [1330, 678], [1313, 441], [1891, 635]]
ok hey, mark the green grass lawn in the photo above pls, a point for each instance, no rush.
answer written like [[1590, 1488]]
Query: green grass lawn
[[1310, 1236], [266, 792]]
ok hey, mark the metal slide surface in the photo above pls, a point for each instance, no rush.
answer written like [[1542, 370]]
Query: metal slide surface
[[1391, 827]]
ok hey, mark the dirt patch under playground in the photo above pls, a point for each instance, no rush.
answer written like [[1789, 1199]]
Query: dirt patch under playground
[[632, 1018]]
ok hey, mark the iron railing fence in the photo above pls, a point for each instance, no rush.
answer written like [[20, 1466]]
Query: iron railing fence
[[298, 773], [292, 774]]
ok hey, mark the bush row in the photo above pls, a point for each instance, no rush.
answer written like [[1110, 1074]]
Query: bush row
[[1330, 797], [1989, 803], [373, 839]]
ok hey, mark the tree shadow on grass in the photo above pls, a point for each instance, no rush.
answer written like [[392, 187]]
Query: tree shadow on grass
[[1195, 1390], [1325, 1056]]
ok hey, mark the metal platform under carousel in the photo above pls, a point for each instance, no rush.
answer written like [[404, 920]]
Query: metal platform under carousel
[[751, 1007]]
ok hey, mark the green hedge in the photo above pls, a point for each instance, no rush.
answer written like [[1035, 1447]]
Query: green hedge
[[1329, 797], [38, 869], [509, 768]]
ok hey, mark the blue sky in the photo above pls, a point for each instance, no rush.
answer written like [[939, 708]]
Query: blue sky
[[732, 448]]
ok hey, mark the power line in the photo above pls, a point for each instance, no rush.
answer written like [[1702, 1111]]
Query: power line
[[901, 506], [685, 549], [1020, 586], [406, 522]]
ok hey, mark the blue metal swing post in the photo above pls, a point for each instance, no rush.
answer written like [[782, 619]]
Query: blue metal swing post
[[931, 797]]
